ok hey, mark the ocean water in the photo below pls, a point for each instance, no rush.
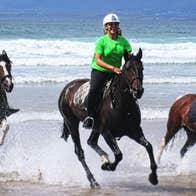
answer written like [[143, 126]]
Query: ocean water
[[57, 48], [49, 50]]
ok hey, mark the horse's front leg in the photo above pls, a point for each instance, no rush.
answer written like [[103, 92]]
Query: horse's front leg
[[5, 127], [93, 143], [142, 140], [110, 140]]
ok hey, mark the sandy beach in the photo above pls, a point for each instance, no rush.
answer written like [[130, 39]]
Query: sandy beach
[[168, 186]]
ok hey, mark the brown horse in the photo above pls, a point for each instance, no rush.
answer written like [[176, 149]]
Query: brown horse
[[118, 115], [6, 84], [182, 114]]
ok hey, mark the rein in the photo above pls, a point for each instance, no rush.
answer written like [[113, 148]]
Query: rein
[[122, 85], [4, 77], [116, 90]]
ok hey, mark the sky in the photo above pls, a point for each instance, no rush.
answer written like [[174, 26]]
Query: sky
[[101, 5]]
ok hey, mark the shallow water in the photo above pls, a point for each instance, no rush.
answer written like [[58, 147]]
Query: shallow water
[[33, 151]]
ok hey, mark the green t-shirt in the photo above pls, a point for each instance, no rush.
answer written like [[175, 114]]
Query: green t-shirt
[[111, 51]]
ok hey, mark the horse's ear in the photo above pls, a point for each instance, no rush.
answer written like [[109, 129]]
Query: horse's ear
[[4, 52], [126, 55], [139, 54]]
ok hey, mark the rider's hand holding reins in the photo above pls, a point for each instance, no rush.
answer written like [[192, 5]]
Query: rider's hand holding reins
[[101, 63], [116, 70]]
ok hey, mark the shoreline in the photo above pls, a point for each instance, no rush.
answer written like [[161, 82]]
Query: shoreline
[[170, 186]]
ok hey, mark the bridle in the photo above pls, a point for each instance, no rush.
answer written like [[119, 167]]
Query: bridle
[[6, 80], [9, 75], [134, 91]]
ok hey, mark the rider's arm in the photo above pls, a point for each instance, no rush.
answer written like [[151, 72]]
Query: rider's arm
[[101, 63]]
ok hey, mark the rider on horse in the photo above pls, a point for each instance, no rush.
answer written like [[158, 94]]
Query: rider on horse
[[106, 62]]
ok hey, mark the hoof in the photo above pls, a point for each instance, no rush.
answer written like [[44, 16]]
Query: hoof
[[153, 179], [108, 166], [95, 185]]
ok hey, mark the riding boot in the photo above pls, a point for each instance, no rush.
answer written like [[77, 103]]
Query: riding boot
[[91, 109], [97, 84]]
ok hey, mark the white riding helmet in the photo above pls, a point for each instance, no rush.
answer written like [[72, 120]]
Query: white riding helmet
[[110, 18]]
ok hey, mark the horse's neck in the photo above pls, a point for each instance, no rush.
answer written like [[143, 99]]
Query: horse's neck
[[119, 92], [2, 96], [118, 85]]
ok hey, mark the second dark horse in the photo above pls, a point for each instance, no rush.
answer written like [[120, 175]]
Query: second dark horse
[[119, 115]]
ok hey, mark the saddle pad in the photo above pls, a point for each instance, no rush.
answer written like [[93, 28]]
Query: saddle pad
[[192, 112], [81, 94]]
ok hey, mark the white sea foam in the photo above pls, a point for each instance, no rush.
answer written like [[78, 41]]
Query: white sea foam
[[168, 52], [66, 52], [36, 155], [57, 61]]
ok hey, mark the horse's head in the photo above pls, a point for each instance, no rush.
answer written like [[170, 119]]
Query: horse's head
[[133, 73], [5, 72]]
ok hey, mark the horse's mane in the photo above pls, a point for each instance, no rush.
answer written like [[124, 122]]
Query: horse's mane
[[114, 85], [115, 89]]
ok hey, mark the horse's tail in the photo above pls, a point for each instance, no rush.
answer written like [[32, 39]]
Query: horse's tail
[[65, 131], [162, 146]]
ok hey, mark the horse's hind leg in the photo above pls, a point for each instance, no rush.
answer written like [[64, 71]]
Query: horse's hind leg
[[143, 141], [66, 130], [173, 126], [92, 141], [80, 153], [191, 139], [5, 128]]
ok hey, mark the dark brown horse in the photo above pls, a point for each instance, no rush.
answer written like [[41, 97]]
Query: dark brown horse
[[6, 84], [118, 115], [182, 114]]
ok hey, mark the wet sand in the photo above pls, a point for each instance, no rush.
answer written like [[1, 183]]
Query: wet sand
[[168, 186]]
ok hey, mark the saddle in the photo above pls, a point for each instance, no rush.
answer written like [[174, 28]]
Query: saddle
[[192, 112]]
